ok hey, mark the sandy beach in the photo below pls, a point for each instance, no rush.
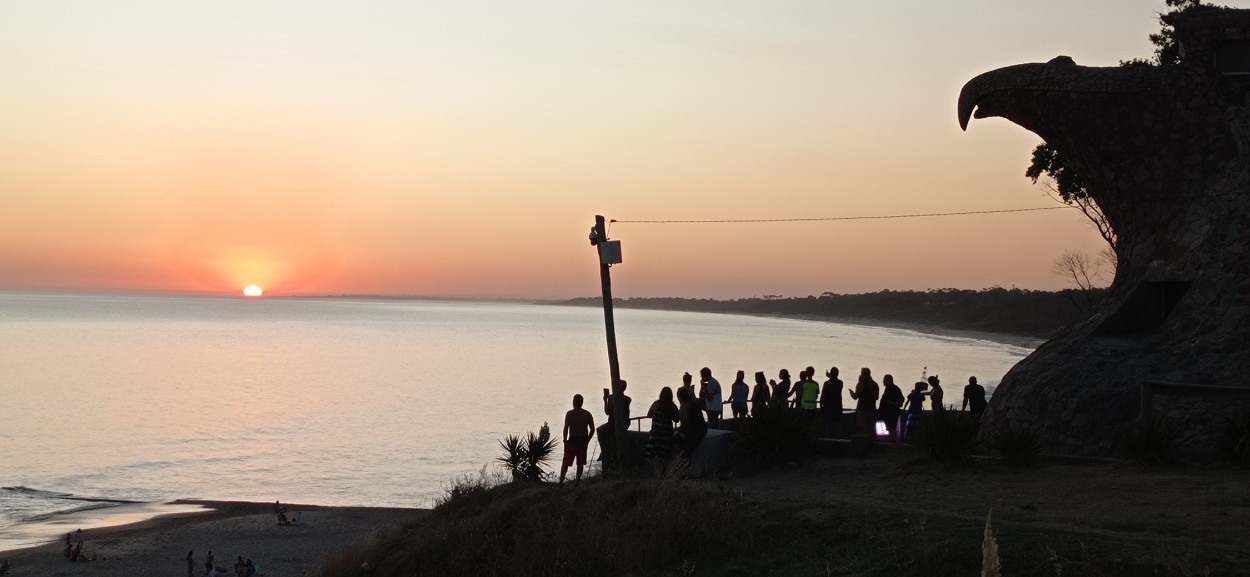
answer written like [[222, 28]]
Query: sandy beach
[[158, 547]]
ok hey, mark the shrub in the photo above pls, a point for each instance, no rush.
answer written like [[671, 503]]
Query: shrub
[[777, 435], [1017, 445], [526, 457], [1236, 442], [947, 435], [467, 488], [1154, 442]]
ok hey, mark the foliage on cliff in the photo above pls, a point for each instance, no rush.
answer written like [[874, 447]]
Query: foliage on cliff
[[1010, 311]]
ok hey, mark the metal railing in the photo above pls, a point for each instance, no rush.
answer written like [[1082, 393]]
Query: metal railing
[[1149, 389]]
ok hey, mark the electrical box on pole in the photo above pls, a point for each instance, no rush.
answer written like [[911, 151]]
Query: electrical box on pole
[[610, 252]]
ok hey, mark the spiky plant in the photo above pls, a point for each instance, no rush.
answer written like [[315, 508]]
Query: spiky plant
[[1018, 445], [526, 457], [947, 435], [1154, 442], [776, 435]]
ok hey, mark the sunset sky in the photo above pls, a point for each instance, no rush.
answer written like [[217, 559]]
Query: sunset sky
[[463, 148]]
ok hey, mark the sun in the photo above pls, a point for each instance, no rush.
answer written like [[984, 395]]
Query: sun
[[253, 291]]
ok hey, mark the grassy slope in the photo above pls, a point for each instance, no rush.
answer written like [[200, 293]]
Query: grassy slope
[[796, 522]]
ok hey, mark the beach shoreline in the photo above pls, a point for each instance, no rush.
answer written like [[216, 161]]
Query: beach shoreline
[[158, 545], [1000, 338]]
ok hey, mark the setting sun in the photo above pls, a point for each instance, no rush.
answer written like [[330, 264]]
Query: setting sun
[[253, 291]]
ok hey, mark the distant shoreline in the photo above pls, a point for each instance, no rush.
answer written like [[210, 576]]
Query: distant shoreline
[[1023, 341]]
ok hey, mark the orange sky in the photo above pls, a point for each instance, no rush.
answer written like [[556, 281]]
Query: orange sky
[[464, 150]]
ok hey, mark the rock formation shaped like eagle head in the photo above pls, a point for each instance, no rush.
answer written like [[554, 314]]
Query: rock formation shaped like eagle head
[[1165, 153]]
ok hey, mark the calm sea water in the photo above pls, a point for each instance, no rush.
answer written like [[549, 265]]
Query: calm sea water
[[351, 401]]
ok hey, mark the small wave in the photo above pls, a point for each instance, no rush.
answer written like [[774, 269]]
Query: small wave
[[37, 492], [87, 507]]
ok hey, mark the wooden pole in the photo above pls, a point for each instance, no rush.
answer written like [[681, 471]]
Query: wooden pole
[[619, 416]]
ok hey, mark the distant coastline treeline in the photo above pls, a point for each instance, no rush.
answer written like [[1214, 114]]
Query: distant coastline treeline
[[1023, 312]]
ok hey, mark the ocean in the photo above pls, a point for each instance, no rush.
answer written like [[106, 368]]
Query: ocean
[[111, 399]]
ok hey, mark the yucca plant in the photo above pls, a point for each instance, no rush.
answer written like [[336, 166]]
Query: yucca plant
[[1018, 445], [947, 435], [526, 457], [776, 435], [1154, 442]]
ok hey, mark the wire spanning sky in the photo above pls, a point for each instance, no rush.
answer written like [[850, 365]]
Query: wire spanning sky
[[464, 148]]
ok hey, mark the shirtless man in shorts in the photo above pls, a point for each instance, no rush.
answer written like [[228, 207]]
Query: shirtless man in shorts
[[579, 427]]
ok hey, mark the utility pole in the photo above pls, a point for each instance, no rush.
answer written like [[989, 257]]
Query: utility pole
[[609, 254]]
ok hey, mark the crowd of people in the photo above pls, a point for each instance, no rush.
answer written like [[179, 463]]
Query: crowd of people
[[681, 426]]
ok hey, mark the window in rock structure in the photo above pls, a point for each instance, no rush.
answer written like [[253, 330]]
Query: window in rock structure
[[1145, 309]]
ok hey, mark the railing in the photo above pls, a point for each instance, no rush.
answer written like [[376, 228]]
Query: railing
[[1151, 388]]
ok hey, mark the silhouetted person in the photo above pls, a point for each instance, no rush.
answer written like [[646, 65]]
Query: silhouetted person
[[974, 396], [866, 394], [808, 392], [579, 427], [4, 567], [208, 562], [914, 406], [891, 405], [607, 431], [692, 427], [935, 394], [190, 563], [738, 393], [687, 382], [781, 391], [663, 413], [713, 402], [831, 402], [609, 407], [761, 395]]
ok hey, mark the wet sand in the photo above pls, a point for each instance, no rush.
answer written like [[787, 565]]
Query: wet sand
[[158, 547]]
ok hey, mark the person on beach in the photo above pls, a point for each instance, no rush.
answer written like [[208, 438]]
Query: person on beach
[[249, 569], [239, 566], [913, 407], [738, 393], [808, 390], [891, 406], [687, 382], [713, 403], [663, 414], [974, 395], [781, 391], [761, 395], [866, 394], [935, 394], [579, 427], [208, 562], [692, 427], [190, 563], [831, 402], [4, 567]]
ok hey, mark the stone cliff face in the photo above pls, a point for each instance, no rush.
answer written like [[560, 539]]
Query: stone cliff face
[[1165, 153]]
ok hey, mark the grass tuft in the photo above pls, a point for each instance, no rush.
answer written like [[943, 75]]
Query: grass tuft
[[1018, 445], [1154, 443]]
